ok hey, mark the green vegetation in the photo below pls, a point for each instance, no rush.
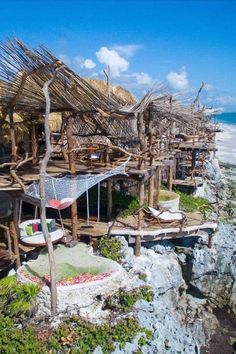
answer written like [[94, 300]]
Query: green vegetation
[[123, 301], [16, 340], [190, 203], [80, 337], [133, 206], [74, 336], [110, 247], [120, 201], [16, 299], [19, 334], [142, 276]]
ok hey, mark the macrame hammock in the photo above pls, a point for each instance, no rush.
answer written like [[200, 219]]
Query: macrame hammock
[[61, 192]]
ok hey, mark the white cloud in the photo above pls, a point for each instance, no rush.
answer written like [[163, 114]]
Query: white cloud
[[208, 87], [226, 100], [178, 81], [65, 59], [143, 78], [128, 50], [78, 60], [112, 58], [88, 64]]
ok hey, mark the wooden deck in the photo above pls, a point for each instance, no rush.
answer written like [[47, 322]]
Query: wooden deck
[[195, 225], [29, 174]]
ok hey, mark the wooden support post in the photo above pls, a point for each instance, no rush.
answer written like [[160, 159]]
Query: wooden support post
[[74, 212], [210, 240], [158, 184], [15, 232], [34, 144], [12, 135], [109, 199], [63, 150], [151, 191], [170, 178], [137, 246]]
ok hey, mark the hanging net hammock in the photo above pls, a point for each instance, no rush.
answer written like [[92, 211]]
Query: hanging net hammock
[[61, 192]]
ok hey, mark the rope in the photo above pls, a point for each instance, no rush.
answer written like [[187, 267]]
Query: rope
[[87, 200], [99, 192], [35, 212], [59, 212]]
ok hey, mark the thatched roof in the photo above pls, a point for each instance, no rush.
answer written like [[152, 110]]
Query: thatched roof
[[23, 73], [118, 93]]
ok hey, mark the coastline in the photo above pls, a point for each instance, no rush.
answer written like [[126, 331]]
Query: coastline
[[225, 143]]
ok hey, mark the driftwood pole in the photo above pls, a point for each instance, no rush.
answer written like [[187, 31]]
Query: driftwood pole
[[43, 169], [152, 178], [140, 126]]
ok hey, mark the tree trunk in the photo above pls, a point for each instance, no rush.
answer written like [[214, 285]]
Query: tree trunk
[[43, 169]]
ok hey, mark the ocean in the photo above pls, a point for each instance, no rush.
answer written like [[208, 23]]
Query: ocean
[[226, 141]]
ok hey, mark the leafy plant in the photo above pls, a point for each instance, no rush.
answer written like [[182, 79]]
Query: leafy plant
[[16, 299], [123, 301], [15, 340], [133, 206], [110, 247]]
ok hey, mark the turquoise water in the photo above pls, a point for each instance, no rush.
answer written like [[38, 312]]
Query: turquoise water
[[227, 118]]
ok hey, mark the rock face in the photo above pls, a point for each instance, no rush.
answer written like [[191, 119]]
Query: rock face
[[214, 270], [181, 323]]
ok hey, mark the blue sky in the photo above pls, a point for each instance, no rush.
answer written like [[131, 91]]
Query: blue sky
[[179, 42]]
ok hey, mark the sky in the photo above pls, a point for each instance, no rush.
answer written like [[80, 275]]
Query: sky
[[178, 42]]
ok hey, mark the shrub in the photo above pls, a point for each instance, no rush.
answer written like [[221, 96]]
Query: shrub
[[110, 247], [16, 299], [123, 301]]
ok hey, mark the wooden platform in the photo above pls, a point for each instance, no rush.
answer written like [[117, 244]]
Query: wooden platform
[[195, 182], [194, 225], [28, 174], [189, 145]]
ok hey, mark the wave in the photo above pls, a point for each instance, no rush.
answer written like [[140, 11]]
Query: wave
[[226, 143]]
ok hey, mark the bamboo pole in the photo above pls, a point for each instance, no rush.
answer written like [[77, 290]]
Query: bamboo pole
[[72, 168]]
